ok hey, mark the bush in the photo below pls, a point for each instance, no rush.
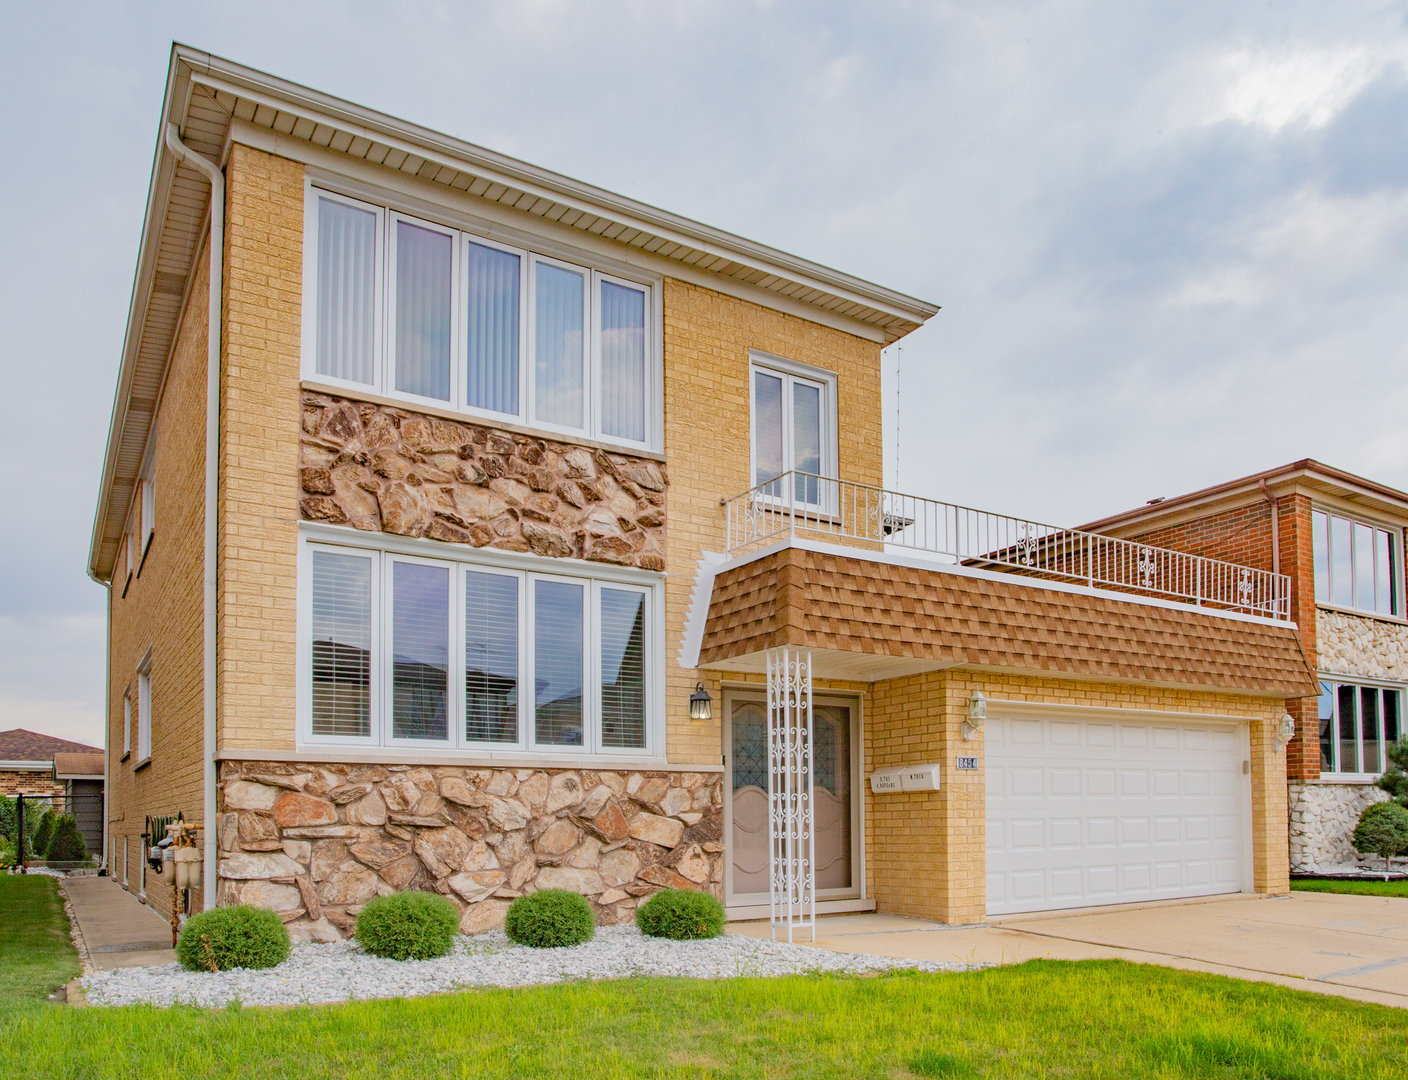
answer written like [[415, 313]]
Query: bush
[[408, 926], [39, 840], [67, 844], [9, 818], [1382, 830], [681, 914], [1395, 777], [232, 937], [549, 919]]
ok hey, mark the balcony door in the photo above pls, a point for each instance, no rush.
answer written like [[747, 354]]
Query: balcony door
[[836, 790]]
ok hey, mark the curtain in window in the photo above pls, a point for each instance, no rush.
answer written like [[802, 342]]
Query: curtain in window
[[1326, 712], [767, 427], [558, 346], [1342, 564], [622, 361], [622, 668], [1349, 740], [342, 642], [346, 292], [1363, 567], [557, 663], [1369, 728], [491, 278], [420, 651], [423, 266], [490, 657]]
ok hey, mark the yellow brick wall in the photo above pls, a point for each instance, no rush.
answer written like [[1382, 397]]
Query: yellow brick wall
[[926, 851], [707, 433], [259, 427], [162, 611]]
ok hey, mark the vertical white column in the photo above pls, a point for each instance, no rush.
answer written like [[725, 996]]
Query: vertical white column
[[791, 836]]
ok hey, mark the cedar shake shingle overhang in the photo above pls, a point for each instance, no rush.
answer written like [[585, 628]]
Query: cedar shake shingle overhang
[[874, 619]]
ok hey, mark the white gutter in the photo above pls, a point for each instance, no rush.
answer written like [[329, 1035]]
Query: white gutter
[[212, 488]]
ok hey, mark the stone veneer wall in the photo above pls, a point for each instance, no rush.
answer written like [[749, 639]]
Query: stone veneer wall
[[1323, 817], [1353, 645], [316, 842], [392, 469]]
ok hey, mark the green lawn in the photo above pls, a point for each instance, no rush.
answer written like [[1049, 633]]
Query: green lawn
[[1362, 887], [36, 954], [1041, 1019]]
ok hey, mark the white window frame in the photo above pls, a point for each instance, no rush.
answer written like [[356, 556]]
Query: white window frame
[[384, 330], [790, 372], [148, 503], [1396, 544], [126, 723], [311, 195], [1336, 681], [385, 550], [144, 709]]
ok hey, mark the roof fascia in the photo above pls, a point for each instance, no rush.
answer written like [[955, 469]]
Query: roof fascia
[[219, 74]]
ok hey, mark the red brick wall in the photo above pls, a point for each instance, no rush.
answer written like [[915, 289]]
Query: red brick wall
[[1242, 535], [29, 783]]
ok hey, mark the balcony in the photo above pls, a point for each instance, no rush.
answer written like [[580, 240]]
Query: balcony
[[804, 505]]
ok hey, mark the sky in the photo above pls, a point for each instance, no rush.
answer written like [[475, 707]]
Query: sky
[[1170, 240]]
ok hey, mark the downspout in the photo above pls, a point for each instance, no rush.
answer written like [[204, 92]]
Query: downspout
[[212, 492]]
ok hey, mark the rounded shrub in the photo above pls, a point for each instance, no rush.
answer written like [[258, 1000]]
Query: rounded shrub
[[232, 937], [67, 843], [39, 839], [1382, 831], [550, 919], [681, 914], [408, 926]]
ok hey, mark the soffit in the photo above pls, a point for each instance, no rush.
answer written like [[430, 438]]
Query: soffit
[[834, 602], [204, 93]]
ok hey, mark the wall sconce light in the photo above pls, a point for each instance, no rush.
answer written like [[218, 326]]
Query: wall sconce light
[[1285, 732], [977, 713], [701, 705]]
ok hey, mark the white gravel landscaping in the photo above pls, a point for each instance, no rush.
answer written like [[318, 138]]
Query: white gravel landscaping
[[318, 973]]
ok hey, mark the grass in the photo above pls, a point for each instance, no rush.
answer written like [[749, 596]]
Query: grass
[[36, 954], [1101, 1019], [1359, 887]]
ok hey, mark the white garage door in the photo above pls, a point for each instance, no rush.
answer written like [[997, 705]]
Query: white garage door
[[1084, 812]]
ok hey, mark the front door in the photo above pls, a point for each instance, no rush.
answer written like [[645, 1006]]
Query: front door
[[835, 788]]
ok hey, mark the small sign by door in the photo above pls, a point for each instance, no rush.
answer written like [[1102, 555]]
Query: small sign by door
[[968, 763]]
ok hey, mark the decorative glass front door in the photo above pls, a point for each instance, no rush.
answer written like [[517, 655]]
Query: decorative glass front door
[[833, 812]]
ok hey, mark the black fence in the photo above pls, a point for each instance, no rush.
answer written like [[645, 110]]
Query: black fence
[[43, 837]]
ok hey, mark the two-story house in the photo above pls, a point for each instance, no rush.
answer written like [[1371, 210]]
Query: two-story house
[[499, 532], [1339, 537]]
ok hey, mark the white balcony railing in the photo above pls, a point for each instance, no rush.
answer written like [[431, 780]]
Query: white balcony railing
[[804, 504]]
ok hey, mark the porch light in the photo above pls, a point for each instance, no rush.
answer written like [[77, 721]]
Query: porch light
[[701, 705], [977, 713], [1285, 732]]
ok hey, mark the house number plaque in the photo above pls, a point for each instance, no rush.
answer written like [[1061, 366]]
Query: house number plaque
[[967, 763]]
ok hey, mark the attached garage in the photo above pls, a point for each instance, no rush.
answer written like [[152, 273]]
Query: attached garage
[[1084, 811]]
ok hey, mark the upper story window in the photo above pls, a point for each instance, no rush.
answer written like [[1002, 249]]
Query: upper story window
[[144, 708], [1356, 564], [794, 426], [413, 309], [405, 650], [126, 724], [1357, 723]]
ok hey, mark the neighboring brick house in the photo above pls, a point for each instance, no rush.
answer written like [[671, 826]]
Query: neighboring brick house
[[518, 488], [27, 762], [1340, 538]]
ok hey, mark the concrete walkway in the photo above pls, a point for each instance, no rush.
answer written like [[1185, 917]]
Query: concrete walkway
[[118, 929], [1348, 946]]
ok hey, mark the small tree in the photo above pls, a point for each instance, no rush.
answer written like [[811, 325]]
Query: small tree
[[39, 841], [1395, 778], [9, 818], [67, 844], [1382, 830]]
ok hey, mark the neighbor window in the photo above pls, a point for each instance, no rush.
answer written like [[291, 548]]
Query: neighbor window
[[126, 724], [148, 515], [793, 428], [476, 326], [144, 708], [1356, 564], [429, 652], [1357, 723]]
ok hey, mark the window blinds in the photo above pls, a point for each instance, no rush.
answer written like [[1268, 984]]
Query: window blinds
[[423, 267], [491, 326], [622, 668], [490, 657], [342, 620], [622, 361]]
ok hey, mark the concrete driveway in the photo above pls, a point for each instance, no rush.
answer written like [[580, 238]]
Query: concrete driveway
[[1349, 946]]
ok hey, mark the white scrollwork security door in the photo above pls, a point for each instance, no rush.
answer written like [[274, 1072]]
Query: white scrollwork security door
[[791, 833]]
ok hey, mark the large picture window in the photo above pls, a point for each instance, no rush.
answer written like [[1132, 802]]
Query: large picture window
[[1356, 564], [412, 308], [406, 650], [1357, 723]]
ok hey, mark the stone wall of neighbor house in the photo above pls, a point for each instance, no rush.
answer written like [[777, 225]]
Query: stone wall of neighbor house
[[1353, 645], [398, 471], [26, 782], [316, 842], [1323, 817]]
